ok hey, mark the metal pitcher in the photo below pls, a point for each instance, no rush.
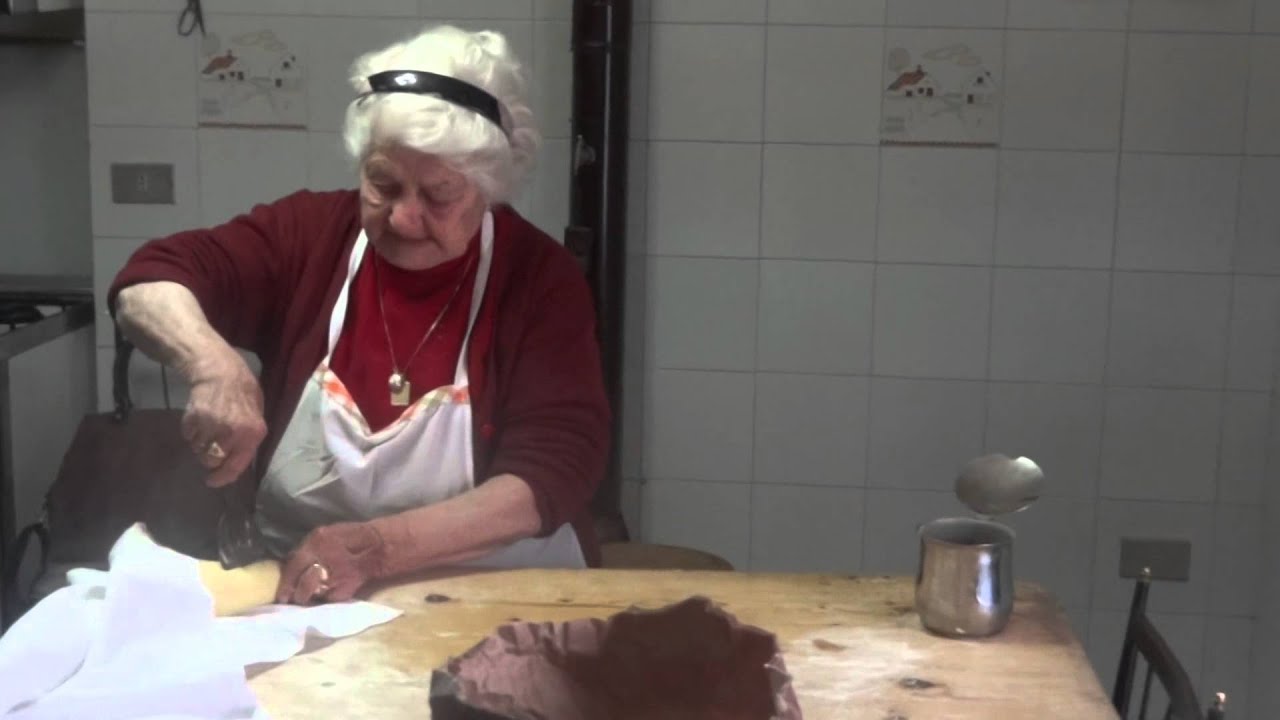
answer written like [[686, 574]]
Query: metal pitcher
[[964, 584]]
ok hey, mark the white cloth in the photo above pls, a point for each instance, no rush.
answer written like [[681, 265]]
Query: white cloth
[[329, 467], [140, 641]]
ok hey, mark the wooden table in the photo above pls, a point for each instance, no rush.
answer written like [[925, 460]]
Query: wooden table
[[853, 645]]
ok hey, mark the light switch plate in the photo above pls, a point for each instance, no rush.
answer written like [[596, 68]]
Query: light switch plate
[[1168, 560], [142, 183]]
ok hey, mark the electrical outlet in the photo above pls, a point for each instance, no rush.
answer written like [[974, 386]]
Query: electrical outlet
[[1168, 560], [142, 184]]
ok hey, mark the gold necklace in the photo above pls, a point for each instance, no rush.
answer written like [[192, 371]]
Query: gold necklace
[[397, 383]]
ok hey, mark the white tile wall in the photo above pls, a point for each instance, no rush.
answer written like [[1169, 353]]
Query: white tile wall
[[242, 168], [931, 321], [1237, 546], [1063, 90], [822, 84], [703, 313], [1049, 325], [547, 190], [328, 165], [1169, 329], [1056, 209], [827, 12], [811, 429], [1243, 464], [1160, 444], [141, 71], [177, 147], [942, 13], [815, 317], [551, 82], [1228, 643], [922, 431], [1047, 548], [1257, 249], [1069, 15], [1058, 426], [1177, 212], [678, 513], [699, 426], [937, 206], [806, 529], [368, 8], [262, 7], [1255, 321], [1266, 17], [1160, 115], [708, 11], [890, 544], [333, 44], [689, 59], [563, 10], [482, 9], [696, 195], [1174, 15], [1264, 108], [819, 202]]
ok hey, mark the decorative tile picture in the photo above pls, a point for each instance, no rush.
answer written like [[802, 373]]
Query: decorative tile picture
[[250, 79], [942, 87]]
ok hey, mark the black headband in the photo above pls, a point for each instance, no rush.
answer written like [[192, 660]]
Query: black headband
[[450, 89]]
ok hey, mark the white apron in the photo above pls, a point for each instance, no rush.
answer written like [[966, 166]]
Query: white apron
[[330, 468]]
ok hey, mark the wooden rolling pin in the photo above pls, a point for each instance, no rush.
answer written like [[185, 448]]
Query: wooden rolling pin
[[242, 589]]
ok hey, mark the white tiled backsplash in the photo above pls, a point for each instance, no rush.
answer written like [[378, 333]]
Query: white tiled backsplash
[[831, 327]]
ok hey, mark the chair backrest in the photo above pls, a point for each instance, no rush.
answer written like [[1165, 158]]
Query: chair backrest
[[1143, 639]]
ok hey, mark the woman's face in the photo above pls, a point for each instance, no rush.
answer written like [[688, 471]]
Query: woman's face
[[417, 211]]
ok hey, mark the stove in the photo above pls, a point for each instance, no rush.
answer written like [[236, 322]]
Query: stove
[[34, 310]]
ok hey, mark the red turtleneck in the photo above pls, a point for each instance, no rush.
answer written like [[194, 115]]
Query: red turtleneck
[[412, 299]]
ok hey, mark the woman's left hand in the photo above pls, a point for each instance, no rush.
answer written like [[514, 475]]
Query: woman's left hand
[[331, 564]]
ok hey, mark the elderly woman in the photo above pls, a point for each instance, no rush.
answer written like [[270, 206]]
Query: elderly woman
[[430, 390]]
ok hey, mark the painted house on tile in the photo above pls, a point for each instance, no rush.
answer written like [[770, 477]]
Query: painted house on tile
[[914, 84], [223, 68], [981, 89]]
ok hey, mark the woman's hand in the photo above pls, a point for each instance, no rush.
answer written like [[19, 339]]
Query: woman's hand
[[332, 563], [223, 423]]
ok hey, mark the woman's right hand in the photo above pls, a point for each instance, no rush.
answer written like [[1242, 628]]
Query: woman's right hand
[[223, 423]]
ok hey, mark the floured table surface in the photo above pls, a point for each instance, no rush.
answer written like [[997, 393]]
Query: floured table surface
[[853, 645]]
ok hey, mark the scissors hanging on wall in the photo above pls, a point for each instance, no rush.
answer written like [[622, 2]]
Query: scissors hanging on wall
[[192, 17]]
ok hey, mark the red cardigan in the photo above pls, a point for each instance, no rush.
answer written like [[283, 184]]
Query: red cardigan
[[268, 280]]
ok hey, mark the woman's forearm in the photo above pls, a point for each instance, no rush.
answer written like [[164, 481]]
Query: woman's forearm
[[164, 320], [461, 528]]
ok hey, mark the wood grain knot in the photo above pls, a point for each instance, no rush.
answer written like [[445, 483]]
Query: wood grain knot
[[434, 598], [828, 645], [916, 684]]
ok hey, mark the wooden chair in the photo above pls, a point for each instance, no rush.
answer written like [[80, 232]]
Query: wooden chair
[[618, 552], [1142, 638], [647, 556]]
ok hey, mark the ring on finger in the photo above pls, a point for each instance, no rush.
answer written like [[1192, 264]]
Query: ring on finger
[[323, 587], [215, 452]]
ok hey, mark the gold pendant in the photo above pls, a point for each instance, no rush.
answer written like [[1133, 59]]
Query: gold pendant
[[399, 388]]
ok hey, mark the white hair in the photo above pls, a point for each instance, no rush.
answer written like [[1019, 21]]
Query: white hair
[[496, 162]]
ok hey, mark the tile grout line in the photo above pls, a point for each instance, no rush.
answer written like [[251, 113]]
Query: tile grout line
[[1223, 398], [984, 439], [1099, 463], [755, 363], [867, 435]]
